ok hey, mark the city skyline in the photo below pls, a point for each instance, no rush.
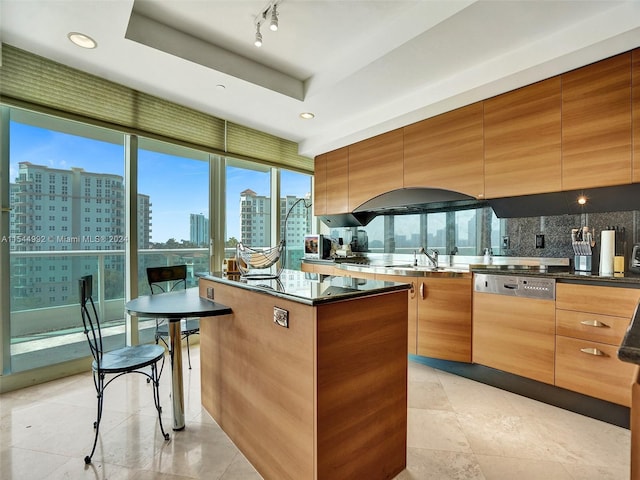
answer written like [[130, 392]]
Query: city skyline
[[185, 178]]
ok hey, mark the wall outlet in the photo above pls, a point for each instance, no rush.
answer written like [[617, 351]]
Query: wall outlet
[[539, 240], [281, 317], [210, 293], [505, 241]]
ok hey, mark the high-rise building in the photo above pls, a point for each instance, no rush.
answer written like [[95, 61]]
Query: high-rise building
[[255, 219], [59, 210], [199, 230]]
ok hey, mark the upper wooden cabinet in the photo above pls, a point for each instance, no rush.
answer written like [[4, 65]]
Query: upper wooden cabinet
[[446, 152], [320, 185], [337, 181], [522, 141], [596, 124], [374, 167], [636, 113]]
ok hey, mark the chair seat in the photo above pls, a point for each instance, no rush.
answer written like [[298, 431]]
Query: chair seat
[[130, 358], [188, 327]]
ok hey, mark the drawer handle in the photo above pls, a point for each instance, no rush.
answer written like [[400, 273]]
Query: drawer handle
[[422, 290], [594, 323], [593, 351]]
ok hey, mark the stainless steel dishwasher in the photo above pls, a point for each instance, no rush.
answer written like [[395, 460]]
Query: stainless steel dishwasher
[[514, 324]]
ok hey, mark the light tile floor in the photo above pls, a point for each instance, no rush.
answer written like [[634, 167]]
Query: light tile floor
[[458, 429]]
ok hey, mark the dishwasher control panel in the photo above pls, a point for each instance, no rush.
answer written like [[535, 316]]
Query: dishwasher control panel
[[516, 286]]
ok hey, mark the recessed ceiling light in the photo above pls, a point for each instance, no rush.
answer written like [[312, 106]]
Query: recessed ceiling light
[[82, 40], [307, 115]]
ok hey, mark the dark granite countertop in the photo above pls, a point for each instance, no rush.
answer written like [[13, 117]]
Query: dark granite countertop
[[308, 288], [629, 350]]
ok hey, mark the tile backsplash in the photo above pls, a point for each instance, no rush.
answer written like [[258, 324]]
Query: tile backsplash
[[557, 232]]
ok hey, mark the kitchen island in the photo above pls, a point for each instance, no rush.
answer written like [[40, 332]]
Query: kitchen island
[[308, 376]]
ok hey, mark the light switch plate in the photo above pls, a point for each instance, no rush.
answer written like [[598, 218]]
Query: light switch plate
[[210, 293], [281, 317]]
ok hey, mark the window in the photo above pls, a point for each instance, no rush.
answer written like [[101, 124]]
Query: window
[[96, 152]]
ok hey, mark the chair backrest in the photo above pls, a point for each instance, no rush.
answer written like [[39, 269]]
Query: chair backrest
[[90, 319], [166, 279]]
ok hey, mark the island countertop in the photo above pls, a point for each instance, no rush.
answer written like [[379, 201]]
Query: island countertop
[[308, 288]]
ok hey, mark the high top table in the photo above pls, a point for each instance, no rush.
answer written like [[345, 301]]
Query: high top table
[[176, 306]]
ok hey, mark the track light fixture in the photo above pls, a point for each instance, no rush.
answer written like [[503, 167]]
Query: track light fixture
[[274, 18], [271, 12], [258, 41]]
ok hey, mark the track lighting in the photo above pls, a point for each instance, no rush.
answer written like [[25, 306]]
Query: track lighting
[[271, 12], [258, 41], [274, 18]]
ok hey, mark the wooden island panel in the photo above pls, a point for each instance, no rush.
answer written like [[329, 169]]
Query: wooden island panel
[[257, 381], [325, 399]]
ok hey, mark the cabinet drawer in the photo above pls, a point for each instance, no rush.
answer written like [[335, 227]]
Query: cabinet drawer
[[591, 326], [616, 301], [593, 368]]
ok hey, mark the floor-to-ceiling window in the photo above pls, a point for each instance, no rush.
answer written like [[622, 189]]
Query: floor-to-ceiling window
[[67, 220], [173, 209], [68, 201]]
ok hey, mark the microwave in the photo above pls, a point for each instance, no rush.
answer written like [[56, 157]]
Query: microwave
[[316, 246]]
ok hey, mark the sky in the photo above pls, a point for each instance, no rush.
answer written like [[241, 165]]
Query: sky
[[177, 186]]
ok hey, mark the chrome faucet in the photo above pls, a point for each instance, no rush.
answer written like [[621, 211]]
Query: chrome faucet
[[433, 258]]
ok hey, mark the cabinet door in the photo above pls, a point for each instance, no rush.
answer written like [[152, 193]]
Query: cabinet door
[[320, 185], [522, 135], [375, 167], [413, 306], [446, 152], [337, 181], [514, 334], [444, 318], [596, 124], [636, 114]]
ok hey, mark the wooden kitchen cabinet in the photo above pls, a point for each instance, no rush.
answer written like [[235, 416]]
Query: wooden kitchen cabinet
[[522, 141], [413, 307], [522, 344], [320, 185], [596, 124], [375, 167], [337, 181], [590, 323], [635, 71], [444, 318], [446, 152]]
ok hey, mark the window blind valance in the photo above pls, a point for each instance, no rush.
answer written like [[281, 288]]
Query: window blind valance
[[40, 82]]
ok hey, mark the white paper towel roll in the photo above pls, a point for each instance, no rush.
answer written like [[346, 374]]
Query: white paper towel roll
[[607, 251]]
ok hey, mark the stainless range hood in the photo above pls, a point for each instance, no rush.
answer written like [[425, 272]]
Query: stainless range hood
[[407, 201], [404, 201]]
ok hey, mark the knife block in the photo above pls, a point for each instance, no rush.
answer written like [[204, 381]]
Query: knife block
[[583, 263]]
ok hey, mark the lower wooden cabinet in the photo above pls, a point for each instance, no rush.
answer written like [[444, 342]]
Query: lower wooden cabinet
[[412, 318], [590, 323], [444, 318], [513, 337], [593, 368]]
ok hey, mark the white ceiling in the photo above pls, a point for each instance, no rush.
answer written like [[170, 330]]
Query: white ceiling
[[363, 67]]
